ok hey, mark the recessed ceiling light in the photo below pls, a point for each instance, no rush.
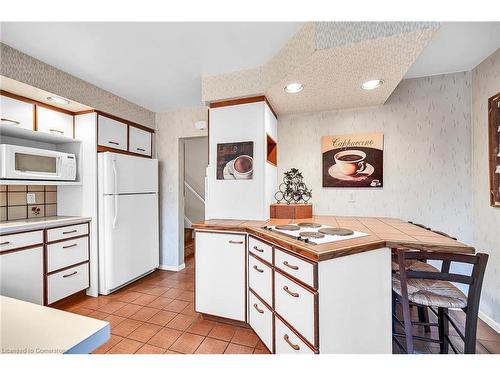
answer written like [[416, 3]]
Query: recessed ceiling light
[[293, 88], [58, 100], [372, 84]]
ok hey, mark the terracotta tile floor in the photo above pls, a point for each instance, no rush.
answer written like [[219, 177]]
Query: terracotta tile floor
[[155, 315]]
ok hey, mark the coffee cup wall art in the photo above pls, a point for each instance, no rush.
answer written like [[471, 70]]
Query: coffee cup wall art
[[353, 161], [235, 161]]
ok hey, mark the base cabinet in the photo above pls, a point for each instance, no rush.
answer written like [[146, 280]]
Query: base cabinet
[[220, 274], [261, 320]]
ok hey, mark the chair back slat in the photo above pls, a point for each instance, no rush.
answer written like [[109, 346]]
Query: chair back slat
[[445, 276], [435, 255]]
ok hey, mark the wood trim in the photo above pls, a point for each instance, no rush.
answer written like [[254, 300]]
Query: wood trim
[[20, 249], [291, 328], [220, 319], [78, 296], [252, 99], [67, 267], [271, 150], [67, 239], [271, 310], [111, 149], [125, 121], [492, 149], [35, 102], [85, 112]]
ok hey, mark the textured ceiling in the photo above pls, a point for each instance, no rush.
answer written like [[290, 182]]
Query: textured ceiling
[[332, 60]]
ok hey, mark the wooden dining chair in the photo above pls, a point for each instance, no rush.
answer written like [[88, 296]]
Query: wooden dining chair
[[434, 289]]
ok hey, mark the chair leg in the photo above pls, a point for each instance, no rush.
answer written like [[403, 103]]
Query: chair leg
[[470, 332], [408, 326], [394, 304], [423, 317], [443, 330]]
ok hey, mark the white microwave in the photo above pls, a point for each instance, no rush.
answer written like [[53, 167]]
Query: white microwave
[[28, 163]]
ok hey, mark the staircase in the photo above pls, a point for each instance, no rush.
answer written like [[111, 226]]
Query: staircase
[[188, 242]]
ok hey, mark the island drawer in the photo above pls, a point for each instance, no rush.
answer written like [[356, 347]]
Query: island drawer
[[67, 282], [302, 270], [66, 253], [261, 320], [296, 305], [261, 249], [260, 279], [61, 233], [19, 240], [287, 342]]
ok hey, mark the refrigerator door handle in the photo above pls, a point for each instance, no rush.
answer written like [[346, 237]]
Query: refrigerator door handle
[[115, 175]]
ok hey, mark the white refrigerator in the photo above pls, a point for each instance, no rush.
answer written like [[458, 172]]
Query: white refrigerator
[[128, 219]]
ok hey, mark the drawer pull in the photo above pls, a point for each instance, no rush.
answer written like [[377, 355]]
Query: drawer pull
[[290, 266], [70, 274], [257, 269], [287, 340], [5, 243], [236, 242], [68, 246], [113, 143], [257, 308], [70, 231], [141, 149], [259, 250], [293, 294], [10, 121], [56, 131]]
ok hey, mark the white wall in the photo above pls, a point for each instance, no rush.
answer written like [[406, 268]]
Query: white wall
[[485, 84], [427, 167], [170, 128]]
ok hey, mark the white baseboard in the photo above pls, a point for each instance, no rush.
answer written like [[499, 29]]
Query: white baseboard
[[172, 268], [493, 324]]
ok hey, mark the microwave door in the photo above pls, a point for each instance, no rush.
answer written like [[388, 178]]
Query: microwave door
[[36, 166]]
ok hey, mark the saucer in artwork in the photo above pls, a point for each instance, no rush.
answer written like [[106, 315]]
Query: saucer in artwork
[[335, 172]]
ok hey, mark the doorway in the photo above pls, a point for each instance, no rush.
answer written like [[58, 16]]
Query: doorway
[[194, 165]]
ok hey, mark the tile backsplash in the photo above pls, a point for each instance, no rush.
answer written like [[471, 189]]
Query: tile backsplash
[[14, 201]]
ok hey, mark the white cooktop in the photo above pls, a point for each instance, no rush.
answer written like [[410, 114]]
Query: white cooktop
[[317, 241]]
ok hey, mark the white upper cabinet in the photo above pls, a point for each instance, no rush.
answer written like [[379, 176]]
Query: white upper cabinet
[[54, 122], [140, 141], [16, 113], [112, 133]]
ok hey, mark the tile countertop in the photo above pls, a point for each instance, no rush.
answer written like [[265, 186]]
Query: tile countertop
[[28, 328], [14, 226], [383, 232]]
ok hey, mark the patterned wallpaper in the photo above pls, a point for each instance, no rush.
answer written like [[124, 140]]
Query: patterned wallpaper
[[427, 167], [485, 84], [26, 69]]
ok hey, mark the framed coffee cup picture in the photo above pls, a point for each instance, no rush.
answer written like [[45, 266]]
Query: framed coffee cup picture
[[353, 161], [235, 161]]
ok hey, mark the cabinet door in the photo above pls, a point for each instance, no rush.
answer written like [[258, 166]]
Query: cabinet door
[[21, 275], [140, 141], [16, 113], [54, 122], [112, 133], [220, 275]]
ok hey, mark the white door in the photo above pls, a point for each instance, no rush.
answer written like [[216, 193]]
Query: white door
[[130, 248], [124, 174], [220, 275]]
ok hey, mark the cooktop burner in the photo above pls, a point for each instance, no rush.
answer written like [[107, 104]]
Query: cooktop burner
[[287, 227], [311, 235], [336, 231], [309, 225]]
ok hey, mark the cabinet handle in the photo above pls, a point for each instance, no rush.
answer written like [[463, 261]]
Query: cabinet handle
[[70, 231], [293, 294], [236, 242], [11, 121], [257, 269], [257, 308], [56, 131], [287, 340], [290, 266], [67, 247], [114, 143], [70, 274], [4, 243], [140, 149], [259, 250]]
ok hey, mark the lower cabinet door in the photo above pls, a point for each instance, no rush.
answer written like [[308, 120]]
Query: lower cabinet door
[[261, 320], [21, 275], [288, 342], [65, 283], [220, 285]]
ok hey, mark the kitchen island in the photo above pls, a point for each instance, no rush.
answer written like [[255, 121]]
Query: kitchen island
[[301, 297]]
